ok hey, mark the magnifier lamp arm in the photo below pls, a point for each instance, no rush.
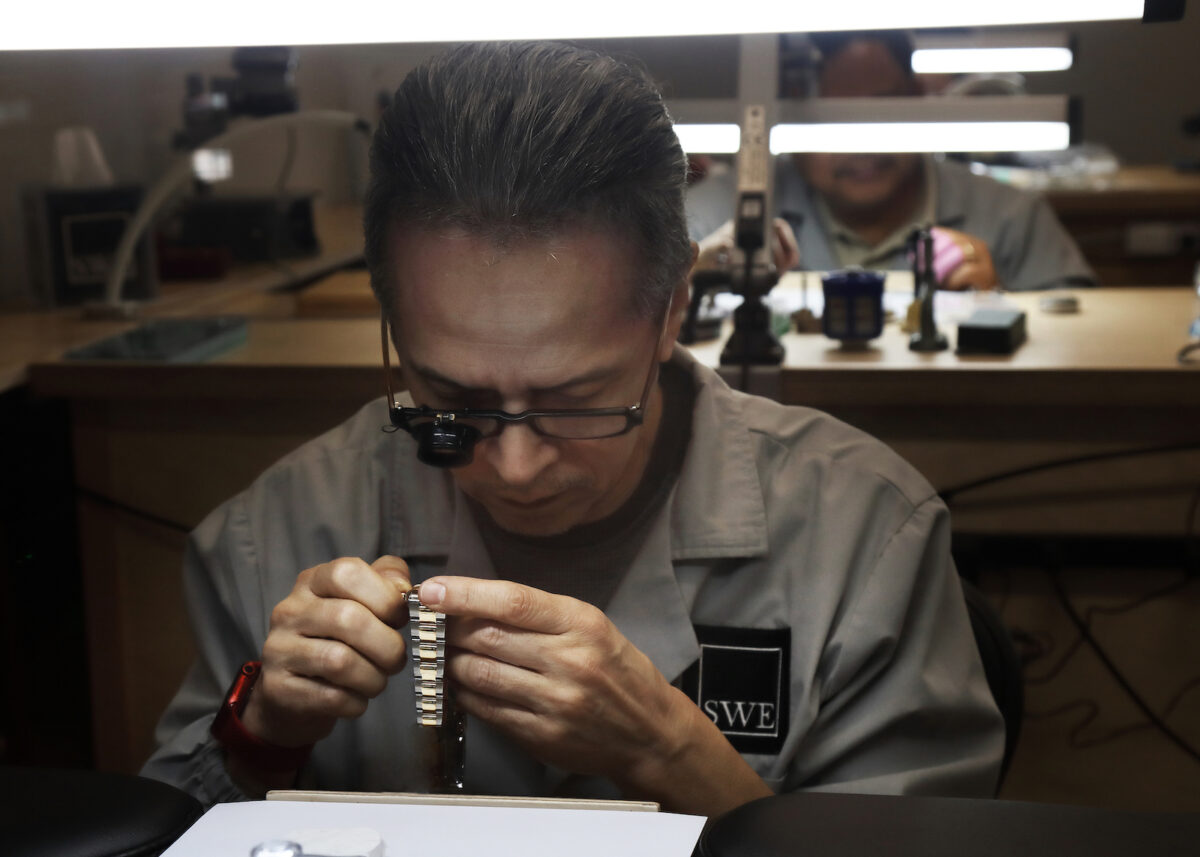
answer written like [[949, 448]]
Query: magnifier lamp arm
[[181, 170]]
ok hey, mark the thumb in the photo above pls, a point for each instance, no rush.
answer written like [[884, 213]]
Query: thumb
[[394, 570]]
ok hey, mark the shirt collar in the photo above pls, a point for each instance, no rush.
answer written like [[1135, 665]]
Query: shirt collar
[[718, 509]]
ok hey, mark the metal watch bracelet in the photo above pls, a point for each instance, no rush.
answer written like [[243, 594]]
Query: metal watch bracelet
[[446, 751], [427, 630]]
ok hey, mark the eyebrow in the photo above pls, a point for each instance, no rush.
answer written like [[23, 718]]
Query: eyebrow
[[430, 374]]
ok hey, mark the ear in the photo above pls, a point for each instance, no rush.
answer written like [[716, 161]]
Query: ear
[[677, 312]]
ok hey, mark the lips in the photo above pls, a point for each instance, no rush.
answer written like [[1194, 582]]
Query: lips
[[536, 503], [865, 169]]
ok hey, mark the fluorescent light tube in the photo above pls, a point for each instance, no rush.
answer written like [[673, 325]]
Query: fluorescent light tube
[[920, 137], [722, 139], [78, 24], [990, 60]]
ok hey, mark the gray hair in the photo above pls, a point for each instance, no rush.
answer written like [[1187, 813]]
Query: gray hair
[[519, 140]]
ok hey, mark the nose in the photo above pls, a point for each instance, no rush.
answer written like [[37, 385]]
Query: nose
[[519, 455]]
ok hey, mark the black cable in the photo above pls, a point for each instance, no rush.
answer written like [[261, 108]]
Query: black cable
[[1116, 610], [950, 493], [1179, 695], [1058, 666], [132, 511], [1134, 696], [1075, 737]]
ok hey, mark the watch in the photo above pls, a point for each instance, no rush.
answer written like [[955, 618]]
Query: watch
[[427, 630], [231, 733]]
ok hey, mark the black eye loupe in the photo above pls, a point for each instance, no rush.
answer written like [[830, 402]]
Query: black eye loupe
[[445, 444]]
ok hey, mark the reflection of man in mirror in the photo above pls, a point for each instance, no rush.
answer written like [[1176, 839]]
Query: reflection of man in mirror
[[658, 588], [859, 209]]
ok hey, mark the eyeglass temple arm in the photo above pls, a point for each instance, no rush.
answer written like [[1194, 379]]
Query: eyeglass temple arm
[[654, 363], [387, 360]]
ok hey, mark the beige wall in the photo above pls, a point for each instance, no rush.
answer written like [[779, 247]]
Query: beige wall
[[1138, 82]]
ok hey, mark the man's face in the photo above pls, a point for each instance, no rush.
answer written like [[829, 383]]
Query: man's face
[[861, 183], [544, 323]]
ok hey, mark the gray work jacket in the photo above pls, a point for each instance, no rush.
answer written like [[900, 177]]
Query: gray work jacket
[[1029, 246], [786, 528]]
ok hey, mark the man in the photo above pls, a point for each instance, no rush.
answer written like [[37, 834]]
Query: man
[[859, 209], [526, 237]]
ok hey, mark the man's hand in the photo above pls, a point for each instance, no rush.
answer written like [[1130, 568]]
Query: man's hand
[[715, 249], [332, 645], [973, 269], [557, 677]]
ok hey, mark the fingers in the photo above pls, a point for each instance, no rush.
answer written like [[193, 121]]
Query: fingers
[[331, 662], [293, 710], [333, 643], [516, 646], [395, 570], [345, 621], [715, 248], [512, 687], [381, 587], [510, 716], [962, 261], [978, 274], [961, 278], [496, 679], [785, 250], [505, 602]]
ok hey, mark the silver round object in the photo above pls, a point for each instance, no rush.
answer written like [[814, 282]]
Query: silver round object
[[277, 848], [1060, 304]]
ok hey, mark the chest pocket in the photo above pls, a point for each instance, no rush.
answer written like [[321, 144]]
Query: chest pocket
[[742, 682]]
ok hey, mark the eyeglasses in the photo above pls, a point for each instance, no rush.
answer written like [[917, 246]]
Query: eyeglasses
[[447, 437]]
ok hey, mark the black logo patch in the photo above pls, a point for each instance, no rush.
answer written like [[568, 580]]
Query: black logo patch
[[741, 682]]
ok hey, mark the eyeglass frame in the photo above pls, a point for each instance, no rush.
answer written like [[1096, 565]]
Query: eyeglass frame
[[634, 414]]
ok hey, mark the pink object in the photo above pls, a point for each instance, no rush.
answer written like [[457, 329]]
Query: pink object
[[947, 254]]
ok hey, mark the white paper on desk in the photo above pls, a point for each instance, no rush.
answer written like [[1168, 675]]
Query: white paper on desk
[[232, 829]]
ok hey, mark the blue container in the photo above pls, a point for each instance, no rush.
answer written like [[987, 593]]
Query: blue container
[[853, 305]]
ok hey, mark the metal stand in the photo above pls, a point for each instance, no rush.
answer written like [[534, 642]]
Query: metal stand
[[927, 338]]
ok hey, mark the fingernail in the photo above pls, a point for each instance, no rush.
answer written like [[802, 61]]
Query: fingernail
[[432, 594]]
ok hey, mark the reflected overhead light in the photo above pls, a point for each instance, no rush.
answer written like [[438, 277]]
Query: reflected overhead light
[[920, 137], [991, 51], [1009, 123], [212, 165], [75, 24], [990, 60], [716, 139]]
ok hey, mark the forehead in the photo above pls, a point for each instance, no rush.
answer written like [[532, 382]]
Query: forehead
[[487, 311], [863, 69]]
